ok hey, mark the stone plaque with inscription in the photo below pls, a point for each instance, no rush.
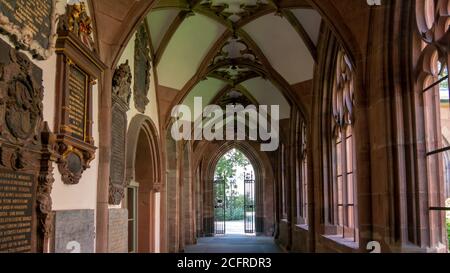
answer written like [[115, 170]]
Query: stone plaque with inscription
[[118, 231], [142, 69], [120, 106], [17, 196], [74, 231], [30, 24]]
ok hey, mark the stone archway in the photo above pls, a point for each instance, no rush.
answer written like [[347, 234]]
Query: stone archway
[[143, 171], [264, 184]]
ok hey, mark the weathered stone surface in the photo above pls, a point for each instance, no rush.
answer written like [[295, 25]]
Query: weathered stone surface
[[74, 231], [118, 231]]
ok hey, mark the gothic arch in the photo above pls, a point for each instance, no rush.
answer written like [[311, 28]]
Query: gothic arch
[[144, 123], [264, 183], [143, 168]]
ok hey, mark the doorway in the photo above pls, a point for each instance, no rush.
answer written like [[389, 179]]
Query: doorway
[[234, 195], [142, 195]]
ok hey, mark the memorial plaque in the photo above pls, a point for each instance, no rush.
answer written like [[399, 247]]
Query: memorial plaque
[[78, 86], [120, 105], [117, 173], [78, 68], [17, 194], [26, 156], [31, 24], [118, 231], [142, 69], [74, 231]]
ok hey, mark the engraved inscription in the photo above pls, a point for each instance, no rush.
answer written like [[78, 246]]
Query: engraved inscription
[[30, 23], [16, 210], [118, 147], [77, 102], [117, 172]]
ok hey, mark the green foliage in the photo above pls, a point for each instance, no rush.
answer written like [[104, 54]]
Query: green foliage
[[226, 170], [235, 208], [226, 167], [448, 231], [444, 84]]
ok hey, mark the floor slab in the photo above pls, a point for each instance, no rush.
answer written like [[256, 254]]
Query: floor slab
[[234, 244]]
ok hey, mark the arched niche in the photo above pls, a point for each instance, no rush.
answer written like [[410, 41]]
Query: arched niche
[[143, 168]]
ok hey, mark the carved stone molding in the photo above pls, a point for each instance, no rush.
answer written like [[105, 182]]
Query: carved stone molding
[[235, 62], [157, 186], [235, 48], [234, 97], [235, 11], [142, 69], [37, 37]]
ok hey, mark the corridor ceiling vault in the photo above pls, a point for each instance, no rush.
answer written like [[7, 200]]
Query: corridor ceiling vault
[[254, 47]]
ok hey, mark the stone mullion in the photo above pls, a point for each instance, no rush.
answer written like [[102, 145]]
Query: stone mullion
[[105, 104]]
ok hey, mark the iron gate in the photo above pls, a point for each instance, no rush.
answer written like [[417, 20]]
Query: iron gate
[[249, 203], [219, 206]]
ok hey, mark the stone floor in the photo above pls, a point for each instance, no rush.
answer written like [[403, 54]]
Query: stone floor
[[235, 227], [232, 243]]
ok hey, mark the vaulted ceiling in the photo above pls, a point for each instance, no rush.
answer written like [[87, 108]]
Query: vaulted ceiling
[[209, 48]]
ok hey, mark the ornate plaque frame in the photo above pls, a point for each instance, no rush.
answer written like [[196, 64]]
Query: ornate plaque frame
[[26, 153], [23, 36], [78, 68]]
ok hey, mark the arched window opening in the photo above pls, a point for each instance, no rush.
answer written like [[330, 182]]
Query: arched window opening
[[282, 163], [301, 172], [234, 194], [344, 184], [433, 24]]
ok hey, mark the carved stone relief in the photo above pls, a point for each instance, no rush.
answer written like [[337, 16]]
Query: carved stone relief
[[234, 10], [235, 63], [122, 81], [142, 69]]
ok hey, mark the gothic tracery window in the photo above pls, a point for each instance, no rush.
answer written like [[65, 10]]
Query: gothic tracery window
[[343, 188], [433, 21], [284, 188], [301, 172]]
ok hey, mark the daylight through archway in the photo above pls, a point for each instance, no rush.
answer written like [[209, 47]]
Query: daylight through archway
[[234, 195]]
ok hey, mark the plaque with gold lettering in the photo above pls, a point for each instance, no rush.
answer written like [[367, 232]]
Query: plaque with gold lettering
[[78, 68], [17, 194], [30, 24], [78, 86]]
